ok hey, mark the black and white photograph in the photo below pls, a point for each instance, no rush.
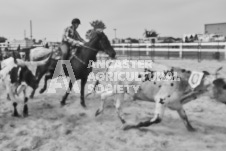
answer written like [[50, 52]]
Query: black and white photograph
[[112, 75]]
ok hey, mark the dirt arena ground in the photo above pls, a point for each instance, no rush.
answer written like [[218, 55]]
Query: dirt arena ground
[[51, 127]]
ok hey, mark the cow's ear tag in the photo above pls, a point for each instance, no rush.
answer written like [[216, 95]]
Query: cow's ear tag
[[195, 79]]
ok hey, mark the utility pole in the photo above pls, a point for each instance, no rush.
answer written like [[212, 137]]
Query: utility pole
[[24, 34], [115, 32], [31, 29]]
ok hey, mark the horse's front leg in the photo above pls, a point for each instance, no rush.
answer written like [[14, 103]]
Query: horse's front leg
[[25, 110], [63, 102], [83, 83]]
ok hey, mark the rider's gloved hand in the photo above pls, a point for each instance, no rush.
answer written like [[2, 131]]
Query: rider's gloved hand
[[80, 43]]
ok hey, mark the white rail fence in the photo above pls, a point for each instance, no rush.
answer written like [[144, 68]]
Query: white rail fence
[[213, 50]]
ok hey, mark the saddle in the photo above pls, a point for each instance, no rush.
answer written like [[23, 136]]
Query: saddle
[[58, 52]]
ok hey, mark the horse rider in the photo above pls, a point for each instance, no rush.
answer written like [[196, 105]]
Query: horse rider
[[71, 39]]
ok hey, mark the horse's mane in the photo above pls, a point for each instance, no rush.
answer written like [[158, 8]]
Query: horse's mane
[[98, 26], [91, 34]]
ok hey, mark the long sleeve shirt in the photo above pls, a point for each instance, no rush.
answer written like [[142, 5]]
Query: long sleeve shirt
[[71, 36]]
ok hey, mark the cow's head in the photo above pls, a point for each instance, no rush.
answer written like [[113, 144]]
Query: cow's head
[[216, 87], [218, 90], [210, 84], [25, 71], [23, 74]]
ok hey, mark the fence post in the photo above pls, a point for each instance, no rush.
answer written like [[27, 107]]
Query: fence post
[[147, 52], [218, 52], [123, 50], [168, 52], [224, 50], [153, 50], [199, 51], [181, 50], [130, 50]]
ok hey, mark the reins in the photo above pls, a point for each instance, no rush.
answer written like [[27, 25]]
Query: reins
[[90, 48], [76, 57]]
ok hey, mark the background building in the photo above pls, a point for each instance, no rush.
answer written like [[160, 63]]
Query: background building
[[25, 43], [4, 45], [216, 28]]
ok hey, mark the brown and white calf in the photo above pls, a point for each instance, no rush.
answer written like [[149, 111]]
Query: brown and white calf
[[16, 75]]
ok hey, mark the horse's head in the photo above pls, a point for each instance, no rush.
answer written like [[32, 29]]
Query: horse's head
[[102, 42]]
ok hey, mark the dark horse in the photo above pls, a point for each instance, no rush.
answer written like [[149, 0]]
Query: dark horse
[[79, 62]]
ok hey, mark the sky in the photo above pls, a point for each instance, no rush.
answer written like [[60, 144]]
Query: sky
[[129, 17]]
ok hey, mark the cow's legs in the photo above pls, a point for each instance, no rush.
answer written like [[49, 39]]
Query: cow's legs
[[25, 110], [118, 107], [159, 111], [63, 102], [8, 90], [184, 117], [104, 95], [21, 88], [83, 83], [12, 93], [15, 112], [47, 77]]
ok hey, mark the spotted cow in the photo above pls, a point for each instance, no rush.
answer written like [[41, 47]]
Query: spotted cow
[[181, 87]]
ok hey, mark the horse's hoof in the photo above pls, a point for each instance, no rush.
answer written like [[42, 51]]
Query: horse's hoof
[[41, 91], [62, 104], [191, 129], [123, 121], [83, 105], [88, 94], [16, 115], [97, 113], [25, 115]]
